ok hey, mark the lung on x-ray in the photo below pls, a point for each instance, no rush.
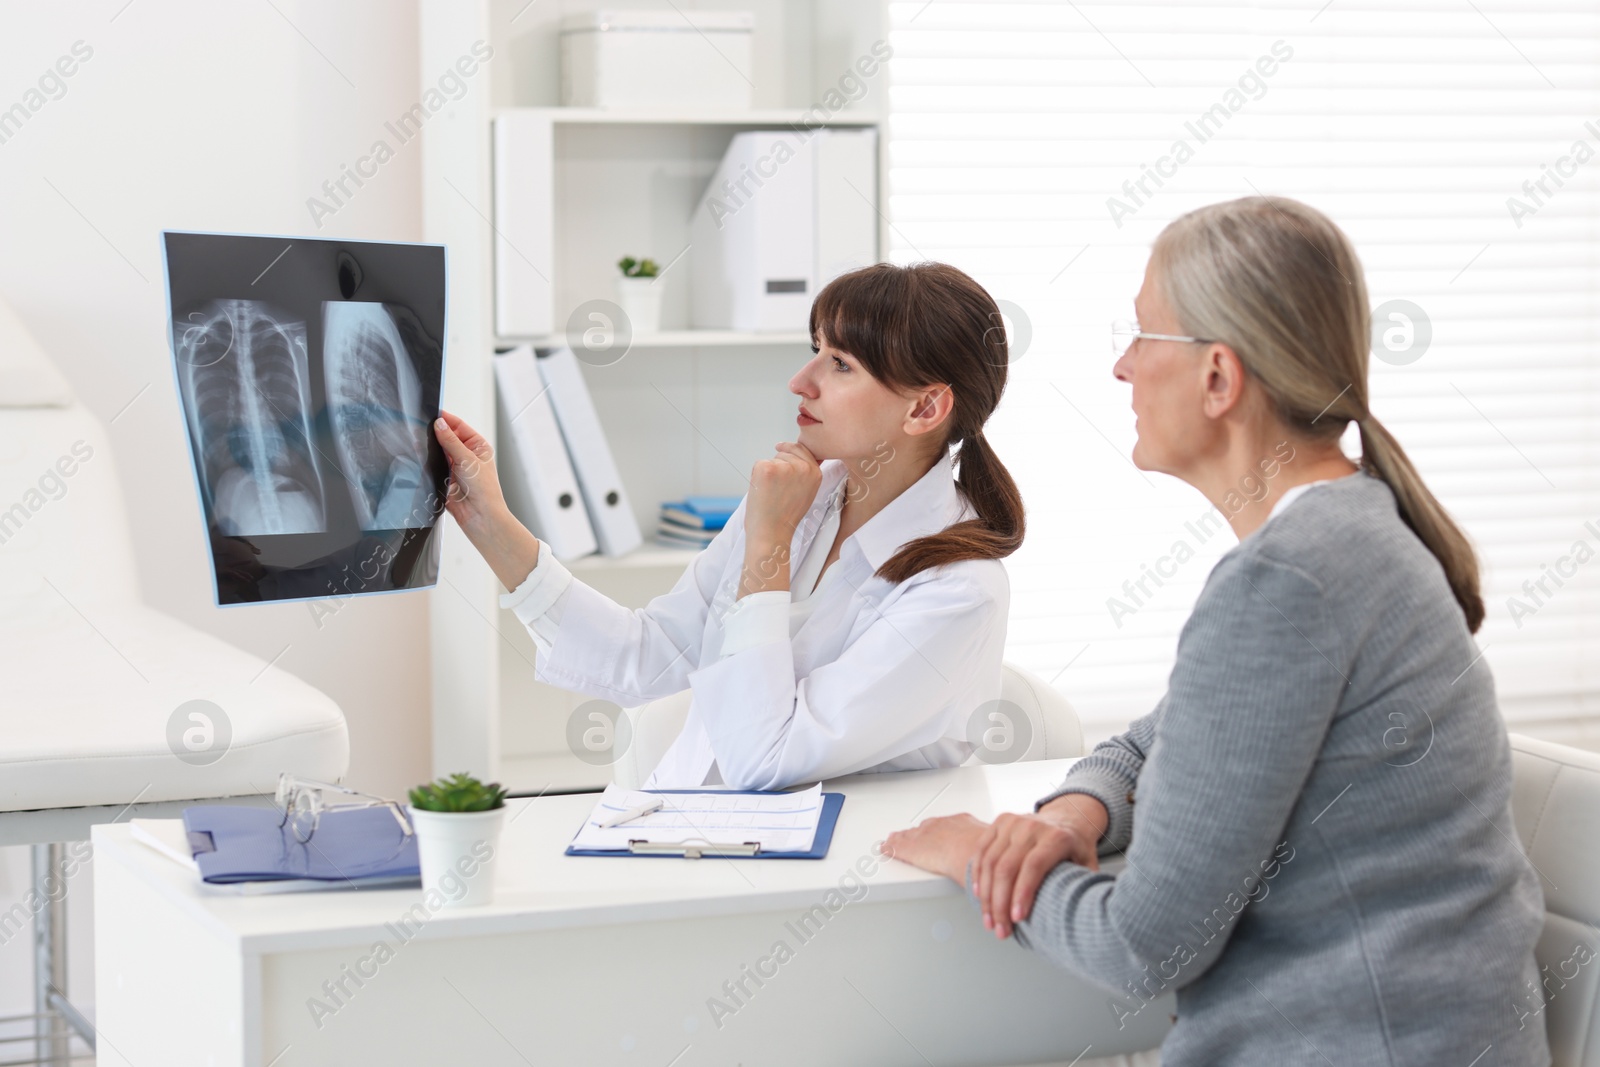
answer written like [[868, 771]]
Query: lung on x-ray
[[245, 379], [309, 375]]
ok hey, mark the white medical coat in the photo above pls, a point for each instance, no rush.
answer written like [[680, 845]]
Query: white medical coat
[[862, 674]]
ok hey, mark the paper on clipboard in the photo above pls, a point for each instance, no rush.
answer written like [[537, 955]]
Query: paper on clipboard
[[780, 822]]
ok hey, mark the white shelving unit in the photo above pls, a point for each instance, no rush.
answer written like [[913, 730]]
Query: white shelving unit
[[754, 118], [686, 411], [688, 339]]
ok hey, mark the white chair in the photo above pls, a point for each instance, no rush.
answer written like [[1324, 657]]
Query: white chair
[[101, 692], [1555, 803], [1054, 732]]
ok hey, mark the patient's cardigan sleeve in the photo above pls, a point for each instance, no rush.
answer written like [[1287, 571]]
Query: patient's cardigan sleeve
[[1256, 683]]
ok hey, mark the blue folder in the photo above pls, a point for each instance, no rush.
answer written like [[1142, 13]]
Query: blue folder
[[359, 846], [831, 803], [712, 512]]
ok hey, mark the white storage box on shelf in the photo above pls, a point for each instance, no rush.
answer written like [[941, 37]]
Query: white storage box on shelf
[[786, 212], [657, 59]]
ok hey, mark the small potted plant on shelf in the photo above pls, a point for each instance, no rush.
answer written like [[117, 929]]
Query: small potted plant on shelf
[[458, 822], [639, 294]]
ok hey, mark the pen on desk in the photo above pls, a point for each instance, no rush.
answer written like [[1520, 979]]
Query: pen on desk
[[632, 813]]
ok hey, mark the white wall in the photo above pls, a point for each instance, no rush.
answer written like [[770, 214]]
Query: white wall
[[203, 116]]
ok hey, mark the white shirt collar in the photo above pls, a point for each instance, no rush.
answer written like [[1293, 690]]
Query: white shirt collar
[[1289, 496], [1294, 492], [927, 506]]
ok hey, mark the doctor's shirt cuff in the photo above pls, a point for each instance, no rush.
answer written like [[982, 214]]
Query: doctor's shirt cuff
[[533, 599], [756, 619]]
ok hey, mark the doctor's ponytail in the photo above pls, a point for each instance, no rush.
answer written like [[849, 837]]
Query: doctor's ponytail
[[924, 324]]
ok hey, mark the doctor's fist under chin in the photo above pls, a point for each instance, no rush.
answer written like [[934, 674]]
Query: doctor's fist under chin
[[782, 489], [1010, 857]]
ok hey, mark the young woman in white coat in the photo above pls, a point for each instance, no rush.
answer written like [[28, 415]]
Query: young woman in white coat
[[851, 615]]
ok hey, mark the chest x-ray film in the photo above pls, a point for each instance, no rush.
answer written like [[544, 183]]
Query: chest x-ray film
[[309, 373]]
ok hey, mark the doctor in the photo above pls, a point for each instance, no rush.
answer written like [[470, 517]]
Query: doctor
[[852, 613]]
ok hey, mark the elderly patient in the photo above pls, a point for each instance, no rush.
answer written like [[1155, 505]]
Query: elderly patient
[[1320, 858]]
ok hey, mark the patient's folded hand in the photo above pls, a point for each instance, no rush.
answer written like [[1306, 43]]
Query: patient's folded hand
[[1018, 851], [1009, 857], [942, 844]]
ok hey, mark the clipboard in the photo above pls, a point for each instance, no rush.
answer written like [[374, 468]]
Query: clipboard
[[696, 848]]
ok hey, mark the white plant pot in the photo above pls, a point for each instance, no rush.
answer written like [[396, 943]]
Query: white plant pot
[[457, 852], [640, 299]]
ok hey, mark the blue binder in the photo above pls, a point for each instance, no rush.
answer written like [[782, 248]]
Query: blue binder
[[360, 846], [831, 803]]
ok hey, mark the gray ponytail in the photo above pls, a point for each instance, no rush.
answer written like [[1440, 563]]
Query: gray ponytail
[[1382, 455]]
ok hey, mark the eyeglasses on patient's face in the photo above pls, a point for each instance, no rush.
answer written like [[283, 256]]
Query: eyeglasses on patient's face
[[1125, 332]]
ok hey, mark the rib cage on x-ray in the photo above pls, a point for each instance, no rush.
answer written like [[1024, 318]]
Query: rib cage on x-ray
[[375, 408], [246, 379]]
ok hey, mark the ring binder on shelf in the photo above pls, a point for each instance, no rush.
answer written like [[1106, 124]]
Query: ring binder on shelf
[[536, 472], [610, 512]]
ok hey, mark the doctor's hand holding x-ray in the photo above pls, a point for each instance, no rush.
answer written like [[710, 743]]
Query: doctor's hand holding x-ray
[[475, 501]]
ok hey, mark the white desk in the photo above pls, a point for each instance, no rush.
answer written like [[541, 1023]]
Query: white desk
[[588, 960]]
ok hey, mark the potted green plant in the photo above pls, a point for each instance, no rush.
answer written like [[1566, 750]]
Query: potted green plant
[[458, 821], [639, 293]]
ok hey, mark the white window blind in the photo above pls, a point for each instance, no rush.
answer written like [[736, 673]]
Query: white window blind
[[1413, 124]]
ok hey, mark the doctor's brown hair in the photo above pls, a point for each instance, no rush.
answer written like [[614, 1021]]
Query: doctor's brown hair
[[930, 324]]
